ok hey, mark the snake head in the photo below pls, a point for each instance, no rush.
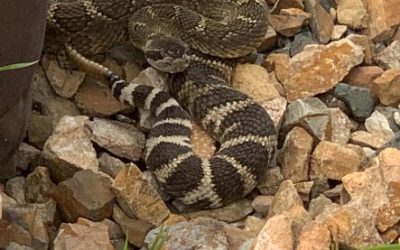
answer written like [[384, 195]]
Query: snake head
[[167, 54]]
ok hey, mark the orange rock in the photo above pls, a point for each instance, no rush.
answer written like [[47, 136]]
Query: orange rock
[[383, 18], [387, 87]]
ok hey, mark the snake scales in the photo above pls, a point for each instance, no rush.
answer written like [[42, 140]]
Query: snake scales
[[201, 38]]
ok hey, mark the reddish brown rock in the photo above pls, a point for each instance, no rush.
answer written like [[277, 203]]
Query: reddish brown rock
[[319, 68], [363, 76]]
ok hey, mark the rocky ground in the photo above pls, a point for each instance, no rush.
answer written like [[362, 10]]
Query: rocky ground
[[328, 73]]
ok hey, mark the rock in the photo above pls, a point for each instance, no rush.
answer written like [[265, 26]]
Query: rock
[[276, 234], [269, 40], [387, 87], [301, 40], [284, 199], [46, 212], [339, 126], [69, 149], [16, 246], [40, 127], [333, 160], [137, 197], [199, 233], [335, 192], [289, 21], [152, 77], [25, 156], [110, 165], [320, 185], [352, 13], [97, 100], [321, 21], [131, 70], [390, 114], [285, 4], [203, 145], [378, 124], [253, 80], [11, 232], [366, 139], [114, 230], [338, 32], [366, 44], [363, 76], [64, 83], [230, 213], [262, 203], [84, 234], [86, 194], [382, 20], [304, 190], [173, 219], [299, 217], [270, 181], [314, 236], [352, 224], [309, 113], [276, 109], [15, 188], [295, 155], [320, 67], [38, 185], [321, 205], [360, 100], [122, 139], [279, 63], [134, 229], [389, 58]]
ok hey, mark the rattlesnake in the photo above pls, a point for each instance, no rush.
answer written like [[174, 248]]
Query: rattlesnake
[[200, 38]]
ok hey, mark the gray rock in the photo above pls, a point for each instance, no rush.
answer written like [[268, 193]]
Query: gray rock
[[25, 156], [40, 127], [123, 140], [110, 165], [200, 233], [300, 41], [69, 149], [360, 100], [15, 188]]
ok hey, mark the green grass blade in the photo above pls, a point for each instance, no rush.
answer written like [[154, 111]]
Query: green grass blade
[[383, 247], [17, 66]]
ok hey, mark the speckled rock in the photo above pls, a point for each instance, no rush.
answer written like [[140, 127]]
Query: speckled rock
[[319, 68], [86, 194], [69, 149], [137, 197], [339, 126], [38, 185], [333, 160], [122, 139], [314, 236], [276, 108], [360, 100]]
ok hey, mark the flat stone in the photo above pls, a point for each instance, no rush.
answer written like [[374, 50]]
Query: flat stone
[[382, 20], [276, 234], [339, 126], [295, 155], [366, 139], [360, 100], [64, 83], [289, 21], [86, 194], [230, 213], [134, 229], [333, 160], [38, 185], [387, 87], [84, 234], [137, 197], [284, 199], [122, 139], [320, 67], [69, 149], [363, 76], [110, 165], [200, 233], [389, 58], [321, 21], [97, 100], [352, 13], [314, 236]]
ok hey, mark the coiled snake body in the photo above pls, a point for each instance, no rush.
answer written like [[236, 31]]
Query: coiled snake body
[[199, 37]]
